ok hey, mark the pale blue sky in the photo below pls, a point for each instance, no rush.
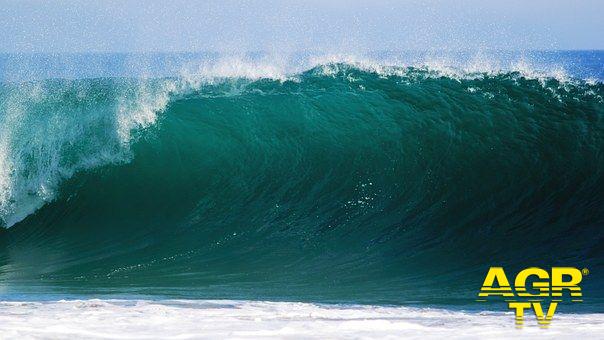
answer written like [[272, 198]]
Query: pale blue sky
[[135, 26]]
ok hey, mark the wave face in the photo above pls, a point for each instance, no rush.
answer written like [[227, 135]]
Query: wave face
[[342, 182]]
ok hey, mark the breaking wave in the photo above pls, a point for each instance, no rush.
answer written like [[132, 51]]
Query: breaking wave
[[347, 180]]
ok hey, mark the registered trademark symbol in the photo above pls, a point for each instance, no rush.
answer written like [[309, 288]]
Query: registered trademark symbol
[[585, 271]]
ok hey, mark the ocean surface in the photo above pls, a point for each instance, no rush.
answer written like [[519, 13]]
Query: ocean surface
[[296, 193]]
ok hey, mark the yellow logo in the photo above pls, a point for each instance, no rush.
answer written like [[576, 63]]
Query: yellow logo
[[562, 283]]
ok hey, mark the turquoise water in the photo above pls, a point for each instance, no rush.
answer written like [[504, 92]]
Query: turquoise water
[[345, 181]]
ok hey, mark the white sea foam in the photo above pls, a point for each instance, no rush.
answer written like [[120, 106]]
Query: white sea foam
[[140, 110], [217, 319]]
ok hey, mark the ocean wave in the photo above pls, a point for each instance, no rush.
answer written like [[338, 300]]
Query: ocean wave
[[69, 110], [250, 173]]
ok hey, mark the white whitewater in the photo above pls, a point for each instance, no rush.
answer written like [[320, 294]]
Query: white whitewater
[[219, 319]]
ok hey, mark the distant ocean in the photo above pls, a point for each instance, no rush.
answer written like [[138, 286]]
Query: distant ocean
[[299, 195]]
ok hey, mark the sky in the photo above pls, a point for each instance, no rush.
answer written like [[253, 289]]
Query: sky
[[270, 25]]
